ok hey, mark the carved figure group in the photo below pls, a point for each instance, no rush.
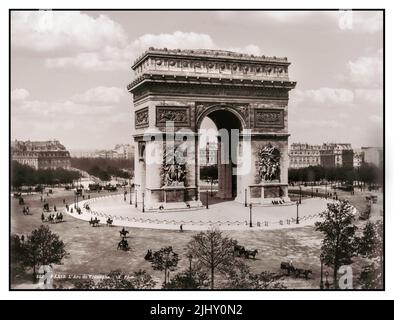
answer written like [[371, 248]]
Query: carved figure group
[[268, 163]]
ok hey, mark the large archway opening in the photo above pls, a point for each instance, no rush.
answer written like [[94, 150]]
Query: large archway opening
[[218, 148]]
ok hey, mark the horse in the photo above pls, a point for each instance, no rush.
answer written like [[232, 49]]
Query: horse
[[250, 253], [50, 218], [149, 255], [123, 245], [304, 272], [123, 232], [59, 217], [94, 222], [109, 222]]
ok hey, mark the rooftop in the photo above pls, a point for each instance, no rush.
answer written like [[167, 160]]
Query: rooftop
[[208, 53]]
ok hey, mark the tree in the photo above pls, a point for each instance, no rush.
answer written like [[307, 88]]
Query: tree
[[369, 241], [370, 246], [17, 252], [339, 245], [165, 260], [212, 251], [185, 280], [43, 247], [240, 277], [371, 277], [142, 280]]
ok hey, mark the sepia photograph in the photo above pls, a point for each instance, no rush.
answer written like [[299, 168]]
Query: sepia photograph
[[196, 150]]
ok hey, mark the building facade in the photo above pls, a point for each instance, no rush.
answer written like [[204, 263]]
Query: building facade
[[358, 158], [209, 154], [373, 155], [303, 155], [120, 151], [328, 155], [41, 154]]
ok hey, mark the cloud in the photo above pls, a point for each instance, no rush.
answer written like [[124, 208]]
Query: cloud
[[304, 123], [114, 57], [362, 22], [344, 20], [102, 95], [45, 31], [178, 39], [324, 96], [367, 70], [371, 96], [19, 94], [78, 120], [98, 101]]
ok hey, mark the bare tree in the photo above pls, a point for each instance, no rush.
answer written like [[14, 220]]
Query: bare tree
[[213, 251]]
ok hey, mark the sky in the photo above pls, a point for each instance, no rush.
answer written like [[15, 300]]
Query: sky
[[70, 69]]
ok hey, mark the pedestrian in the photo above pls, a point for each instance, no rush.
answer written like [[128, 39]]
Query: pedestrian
[[27, 210], [24, 210], [64, 200], [42, 217], [181, 228], [54, 208], [41, 198]]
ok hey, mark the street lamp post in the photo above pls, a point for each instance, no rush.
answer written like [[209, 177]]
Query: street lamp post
[[297, 219], [250, 216], [135, 202], [207, 200], [130, 193], [143, 202], [246, 197], [300, 196]]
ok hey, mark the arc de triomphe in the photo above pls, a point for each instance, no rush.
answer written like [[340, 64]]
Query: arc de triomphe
[[174, 90]]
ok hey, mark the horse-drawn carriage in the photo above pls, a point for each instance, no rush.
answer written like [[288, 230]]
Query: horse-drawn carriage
[[109, 222], [94, 222], [52, 218], [297, 272], [240, 251]]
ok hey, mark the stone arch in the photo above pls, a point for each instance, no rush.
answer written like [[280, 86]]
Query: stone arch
[[217, 107]]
